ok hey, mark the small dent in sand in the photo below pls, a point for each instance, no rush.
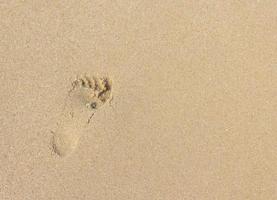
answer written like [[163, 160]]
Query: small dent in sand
[[65, 141]]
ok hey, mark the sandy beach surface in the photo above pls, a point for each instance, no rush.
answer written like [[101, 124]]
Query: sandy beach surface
[[138, 100]]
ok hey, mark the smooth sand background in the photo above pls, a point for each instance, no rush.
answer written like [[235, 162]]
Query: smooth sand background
[[194, 114]]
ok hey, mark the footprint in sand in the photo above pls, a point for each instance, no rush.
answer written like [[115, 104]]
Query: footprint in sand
[[86, 96]]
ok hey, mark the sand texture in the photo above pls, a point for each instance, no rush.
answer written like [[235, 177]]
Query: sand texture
[[138, 100]]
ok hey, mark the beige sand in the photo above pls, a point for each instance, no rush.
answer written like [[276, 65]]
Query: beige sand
[[193, 115]]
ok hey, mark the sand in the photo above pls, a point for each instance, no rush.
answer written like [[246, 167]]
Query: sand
[[191, 113]]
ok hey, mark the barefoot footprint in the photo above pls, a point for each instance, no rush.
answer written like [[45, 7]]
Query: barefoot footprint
[[86, 96]]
